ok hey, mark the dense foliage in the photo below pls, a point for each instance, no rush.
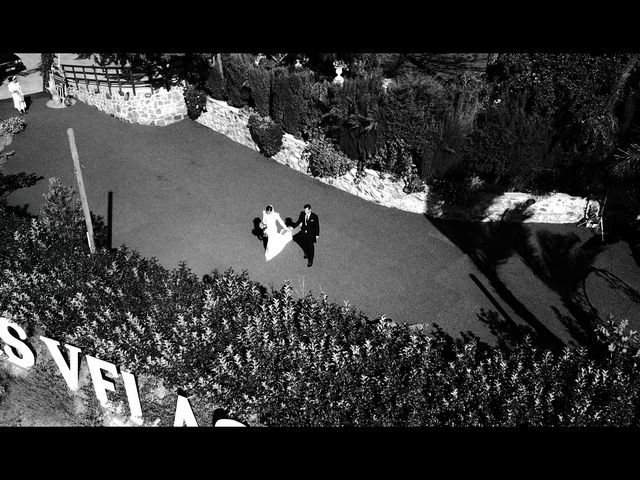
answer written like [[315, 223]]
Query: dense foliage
[[579, 97], [547, 121], [259, 82], [353, 120], [168, 67], [325, 160], [225, 340], [294, 101], [512, 149], [12, 126], [44, 67], [196, 101], [266, 133], [236, 78]]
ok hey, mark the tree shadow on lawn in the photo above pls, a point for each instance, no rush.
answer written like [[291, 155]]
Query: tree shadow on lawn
[[560, 260]]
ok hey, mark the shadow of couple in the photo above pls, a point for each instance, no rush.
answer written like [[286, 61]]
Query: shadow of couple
[[259, 233]]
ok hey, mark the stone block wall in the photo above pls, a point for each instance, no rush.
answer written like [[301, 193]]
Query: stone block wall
[[159, 108], [229, 121]]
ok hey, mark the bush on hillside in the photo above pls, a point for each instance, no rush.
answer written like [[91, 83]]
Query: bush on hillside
[[325, 160], [292, 103], [196, 101], [259, 82], [236, 67], [511, 149], [354, 117], [215, 84], [12, 126], [392, 157], [266, 133], [582, 95]]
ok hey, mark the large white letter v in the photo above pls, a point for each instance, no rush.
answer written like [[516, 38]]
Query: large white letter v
[[69, 372]]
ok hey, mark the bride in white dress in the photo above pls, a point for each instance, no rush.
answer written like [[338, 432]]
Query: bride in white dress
[[276, 240]]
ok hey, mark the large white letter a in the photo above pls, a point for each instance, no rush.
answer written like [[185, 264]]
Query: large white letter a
[[184, 414]]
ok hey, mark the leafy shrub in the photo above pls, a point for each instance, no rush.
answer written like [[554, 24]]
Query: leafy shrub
[[457, 187], [316, 96], [259, 82], [292, 102], [215, 84], [44, 67], [236, 67], [580, 95], [354, 117], [413, 182], [196, 101], [411, 111], [325, 160], [12, 126], [511, 148], [5, 139], [266, 133], [393, 157]]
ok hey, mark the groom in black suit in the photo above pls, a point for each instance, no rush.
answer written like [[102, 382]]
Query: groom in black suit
[[310, 232]]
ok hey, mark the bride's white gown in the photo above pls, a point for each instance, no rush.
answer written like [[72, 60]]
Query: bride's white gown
[[276, 240]]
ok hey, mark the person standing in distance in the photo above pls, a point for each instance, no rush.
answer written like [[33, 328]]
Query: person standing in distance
[[310, 232], [18, 96]]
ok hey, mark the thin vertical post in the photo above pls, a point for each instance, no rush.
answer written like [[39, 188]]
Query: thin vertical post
[[110, 220], [108, 81], [83, 195], [131, 79], [118, 73], [95, 74], [84, 74]]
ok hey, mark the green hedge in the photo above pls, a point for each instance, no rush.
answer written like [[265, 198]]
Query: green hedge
[[196, 101], [294, 101], [236, 67], [354, 117], [325, 160], [259, 82], [512, 149], [266, 133]]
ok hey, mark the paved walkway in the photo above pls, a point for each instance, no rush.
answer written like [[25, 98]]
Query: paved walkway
[[184, 192]]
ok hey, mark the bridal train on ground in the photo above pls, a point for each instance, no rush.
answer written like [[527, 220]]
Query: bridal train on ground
[[276, 240]]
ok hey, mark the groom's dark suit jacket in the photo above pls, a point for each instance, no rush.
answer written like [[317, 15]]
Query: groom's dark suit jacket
[[311, 228]]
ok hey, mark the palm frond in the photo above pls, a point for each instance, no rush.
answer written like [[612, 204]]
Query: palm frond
[[628, 165]]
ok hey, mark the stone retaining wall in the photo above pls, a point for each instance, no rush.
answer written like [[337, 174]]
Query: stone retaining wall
[[227, 120], [159, 108], [383, 189]]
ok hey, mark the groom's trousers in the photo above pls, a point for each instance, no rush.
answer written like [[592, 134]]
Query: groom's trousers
[[308, 242]]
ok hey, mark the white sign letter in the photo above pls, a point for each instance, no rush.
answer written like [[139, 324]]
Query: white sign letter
[[69, 372], [100, 384], [131, 388], [26, 359], [227, 422], [184, 414]]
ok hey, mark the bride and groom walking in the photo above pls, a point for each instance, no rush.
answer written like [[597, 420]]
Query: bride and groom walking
[[277, 240]]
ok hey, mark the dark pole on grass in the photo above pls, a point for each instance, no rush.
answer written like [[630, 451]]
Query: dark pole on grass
[[109, 220], [83, 195]]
